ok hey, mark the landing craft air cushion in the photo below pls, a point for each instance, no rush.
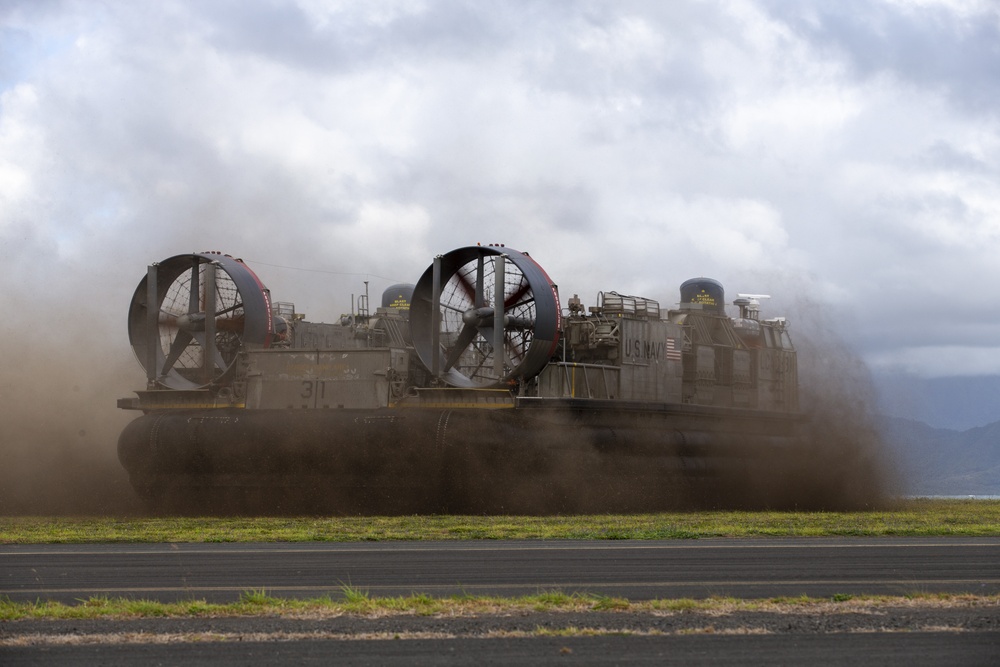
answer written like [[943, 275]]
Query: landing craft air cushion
[[474, 390]]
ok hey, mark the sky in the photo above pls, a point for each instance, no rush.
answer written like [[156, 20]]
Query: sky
[[840, 156]]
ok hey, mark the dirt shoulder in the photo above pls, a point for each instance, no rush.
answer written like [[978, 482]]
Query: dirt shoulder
[[818, 620]]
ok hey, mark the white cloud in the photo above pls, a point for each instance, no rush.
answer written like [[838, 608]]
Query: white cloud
[[807, 115], [627, 146]]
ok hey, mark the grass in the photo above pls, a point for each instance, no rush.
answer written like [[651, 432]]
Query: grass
[[351, 601], [920, 517]]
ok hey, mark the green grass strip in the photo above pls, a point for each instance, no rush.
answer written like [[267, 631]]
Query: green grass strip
[[352, 601], [920, 517]]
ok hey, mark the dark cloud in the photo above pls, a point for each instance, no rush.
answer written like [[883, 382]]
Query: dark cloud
[[637, 139]]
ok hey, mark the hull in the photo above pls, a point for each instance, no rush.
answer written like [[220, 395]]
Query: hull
[[538, 456], [475, 390]]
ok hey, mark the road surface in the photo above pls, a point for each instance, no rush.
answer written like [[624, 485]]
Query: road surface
[[637, 570]]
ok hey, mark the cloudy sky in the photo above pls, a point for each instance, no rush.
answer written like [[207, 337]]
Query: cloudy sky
[[840, 154]]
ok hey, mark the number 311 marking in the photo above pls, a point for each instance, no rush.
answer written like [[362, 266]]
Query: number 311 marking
[[313, 389]]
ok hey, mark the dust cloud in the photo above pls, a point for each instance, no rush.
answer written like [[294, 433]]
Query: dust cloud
[[59, 430], [836, 460], [844, 462], [59, 426]]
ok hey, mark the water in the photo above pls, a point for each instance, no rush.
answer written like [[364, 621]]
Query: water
[[959, 497]]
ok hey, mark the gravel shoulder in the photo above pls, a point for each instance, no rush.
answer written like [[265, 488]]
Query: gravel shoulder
[[960, 619]]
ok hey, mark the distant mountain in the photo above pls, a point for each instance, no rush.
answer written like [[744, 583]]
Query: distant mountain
[[958, 403], [936, 461]]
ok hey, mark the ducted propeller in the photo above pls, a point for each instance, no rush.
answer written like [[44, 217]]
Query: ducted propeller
[[483, 316], [191, 315]]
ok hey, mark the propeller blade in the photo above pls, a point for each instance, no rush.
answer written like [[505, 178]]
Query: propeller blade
[[177, 347], [455, 353], [487, 333], [515, 298], [467, 287], [217, 357], [479, 367]]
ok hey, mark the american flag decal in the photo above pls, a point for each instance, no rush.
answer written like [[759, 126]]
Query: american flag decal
[[672, 351]]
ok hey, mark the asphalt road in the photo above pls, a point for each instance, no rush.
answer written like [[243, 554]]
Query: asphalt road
[[855, 650], [637, 570]]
